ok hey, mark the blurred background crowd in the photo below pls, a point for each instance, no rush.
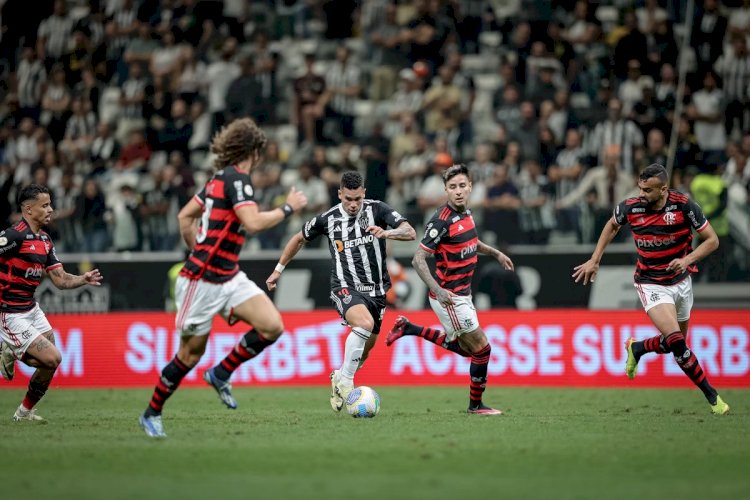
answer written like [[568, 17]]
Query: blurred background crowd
[[555, 106]]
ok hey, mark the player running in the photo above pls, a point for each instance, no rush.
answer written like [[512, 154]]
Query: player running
[[26, 253], [211, 282], [662, 220], [356, 231], [451, 237]]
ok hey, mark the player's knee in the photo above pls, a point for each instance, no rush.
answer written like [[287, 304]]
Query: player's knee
[[366, 323], [191, 355], [273, 330], [53, 360]]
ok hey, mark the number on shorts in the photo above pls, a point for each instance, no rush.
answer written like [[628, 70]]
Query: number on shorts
[[203, 229]]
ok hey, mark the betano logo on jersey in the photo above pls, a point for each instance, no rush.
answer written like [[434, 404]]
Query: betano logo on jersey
[[343, 245]]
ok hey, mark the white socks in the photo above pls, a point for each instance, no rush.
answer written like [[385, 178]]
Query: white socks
[[353, 350]]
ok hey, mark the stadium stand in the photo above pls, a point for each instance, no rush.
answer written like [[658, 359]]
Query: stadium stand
[[113, 103]]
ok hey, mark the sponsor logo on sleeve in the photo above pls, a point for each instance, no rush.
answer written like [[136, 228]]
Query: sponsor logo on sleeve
[[248, 190], [238, 189], [691, 215], [308, 225]]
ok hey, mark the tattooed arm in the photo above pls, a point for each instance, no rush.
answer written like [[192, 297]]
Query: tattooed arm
[[503, 259], [404, 232], [419, 263], [65, 281]]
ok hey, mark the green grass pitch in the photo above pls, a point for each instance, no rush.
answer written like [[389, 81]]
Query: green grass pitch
[[286, 443]]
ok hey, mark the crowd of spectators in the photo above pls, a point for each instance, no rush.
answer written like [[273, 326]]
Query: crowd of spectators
[[555, 106]]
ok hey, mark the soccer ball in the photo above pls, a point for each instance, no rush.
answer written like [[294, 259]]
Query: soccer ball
[[363, 402]]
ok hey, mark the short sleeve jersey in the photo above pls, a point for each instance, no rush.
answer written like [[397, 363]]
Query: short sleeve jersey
[[661, 235], [452, 237], [24, 257], [216, 254], [358, 257]]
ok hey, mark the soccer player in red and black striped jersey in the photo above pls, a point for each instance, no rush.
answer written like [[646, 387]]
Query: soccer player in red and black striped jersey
[[213, 225], [26, 253], [451, 237], [662, 222]]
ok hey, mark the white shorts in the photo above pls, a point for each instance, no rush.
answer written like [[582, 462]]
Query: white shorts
[[19, 330], [198, 301], [679, 294], [457, 319]]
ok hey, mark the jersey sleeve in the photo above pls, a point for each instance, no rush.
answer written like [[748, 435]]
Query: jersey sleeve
[[52, 260], [620, 214], [435, 230], [696, 217], [314, 228], [10, 243], [390, 216], [200, 197], [240, 192]]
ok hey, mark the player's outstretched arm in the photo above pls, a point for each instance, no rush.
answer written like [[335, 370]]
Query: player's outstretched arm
[[64, 281], [293, 246], [587, 271], [419, 263], [404, 232], [255, 221], [503, 259]]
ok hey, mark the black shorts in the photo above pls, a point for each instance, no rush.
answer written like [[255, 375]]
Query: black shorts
[[345, 298]]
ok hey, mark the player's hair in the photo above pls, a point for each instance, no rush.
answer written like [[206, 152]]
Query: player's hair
[[455, 170], [352, 180], [30, 192], [654, 170], [237, 142]]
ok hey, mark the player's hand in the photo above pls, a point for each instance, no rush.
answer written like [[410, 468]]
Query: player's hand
[[505, 261], [271, 280], [445, 297], [296, 199], [377, 231], [587, 271], [93, 277], [678, 265]]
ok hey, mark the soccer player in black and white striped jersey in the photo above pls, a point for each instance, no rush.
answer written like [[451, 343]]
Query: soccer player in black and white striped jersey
[[356, 231]]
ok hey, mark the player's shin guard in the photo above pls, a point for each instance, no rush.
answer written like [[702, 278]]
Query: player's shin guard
[[170, 379], [689, 363], [353, 350], [250, 345], [35, 393], [436, 337], [478, 372]]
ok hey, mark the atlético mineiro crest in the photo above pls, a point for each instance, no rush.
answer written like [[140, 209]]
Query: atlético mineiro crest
[[670, 218]]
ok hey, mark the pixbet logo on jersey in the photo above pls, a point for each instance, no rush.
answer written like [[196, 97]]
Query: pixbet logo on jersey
[[34, 272], [655, 242], [468, 250]]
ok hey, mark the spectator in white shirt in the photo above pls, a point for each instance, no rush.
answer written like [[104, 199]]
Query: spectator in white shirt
[[707, 111]]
